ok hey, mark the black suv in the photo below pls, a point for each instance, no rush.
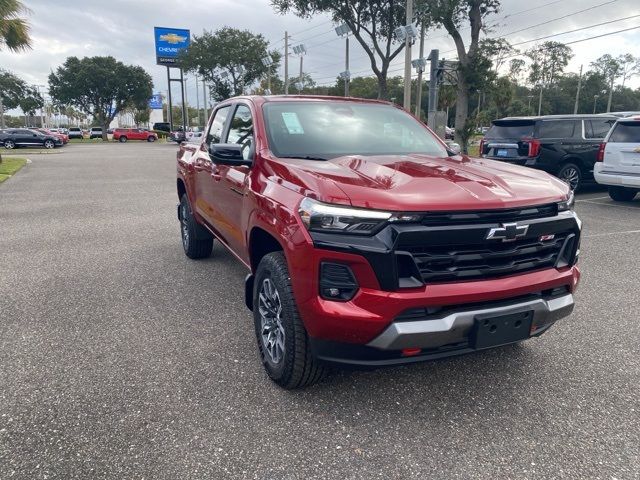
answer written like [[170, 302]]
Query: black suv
[[23, 137], [563, 145]]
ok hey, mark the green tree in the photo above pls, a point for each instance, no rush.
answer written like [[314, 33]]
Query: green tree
[[229, 59], [516, 68], [101, 87], [16, 93], [547, 60], [372, 24], [611, 69], [629, 66], [502, 93], [474, 64], [14, 30]]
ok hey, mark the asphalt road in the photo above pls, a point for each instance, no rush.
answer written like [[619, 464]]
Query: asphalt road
[[120, 358]]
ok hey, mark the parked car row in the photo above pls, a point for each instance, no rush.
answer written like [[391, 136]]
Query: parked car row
[[567, 146], [11, 138]]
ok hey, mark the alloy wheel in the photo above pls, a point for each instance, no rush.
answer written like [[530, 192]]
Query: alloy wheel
[[185, 227], [48, 144], [571, 177], [9, 144], [271, 329]]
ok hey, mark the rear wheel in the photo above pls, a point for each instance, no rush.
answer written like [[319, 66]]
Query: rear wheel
[[622, 194], [196, 240], [282, 339], [151, 138], [48, 144], [9, 144], [122, 139], [571, 174]]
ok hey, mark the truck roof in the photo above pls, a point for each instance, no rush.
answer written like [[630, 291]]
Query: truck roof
[[554, 117], [302, 98]]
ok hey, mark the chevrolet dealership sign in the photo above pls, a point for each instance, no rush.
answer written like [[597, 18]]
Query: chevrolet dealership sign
[[169, 43]]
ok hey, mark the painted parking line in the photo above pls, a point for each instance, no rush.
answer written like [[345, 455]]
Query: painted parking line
[[590, 199], [611, 205], [605, 234]]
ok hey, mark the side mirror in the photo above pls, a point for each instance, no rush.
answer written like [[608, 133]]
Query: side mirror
[[228, 154], [454, 148]]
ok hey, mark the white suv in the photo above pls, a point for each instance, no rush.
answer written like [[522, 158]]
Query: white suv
[[618, 164]]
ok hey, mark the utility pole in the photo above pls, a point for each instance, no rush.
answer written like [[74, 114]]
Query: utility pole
[[407, 59], [420, 70], [434, 59], [347, 77], [170, 104], [540, 102], [204, 102], [198, 101], [575, 107], [300, 77], [286, 63], [610, 94], [1, 112]]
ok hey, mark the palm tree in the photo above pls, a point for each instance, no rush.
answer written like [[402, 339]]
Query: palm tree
[[14, 31]]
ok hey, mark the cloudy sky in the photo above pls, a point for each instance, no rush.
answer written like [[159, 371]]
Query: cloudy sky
[[124, 29]]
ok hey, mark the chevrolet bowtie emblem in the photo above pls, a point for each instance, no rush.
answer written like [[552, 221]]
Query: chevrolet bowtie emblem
[[508, 232], [172, 38]]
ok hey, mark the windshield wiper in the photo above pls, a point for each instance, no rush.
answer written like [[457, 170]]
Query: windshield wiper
[[304, 157]]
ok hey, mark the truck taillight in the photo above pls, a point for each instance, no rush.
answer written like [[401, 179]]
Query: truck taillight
[[534, 148], [600, 157]]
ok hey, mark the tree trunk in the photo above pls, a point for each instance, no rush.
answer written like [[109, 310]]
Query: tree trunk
[[462, 110], [383, 89], [105, 127], [610, 95]]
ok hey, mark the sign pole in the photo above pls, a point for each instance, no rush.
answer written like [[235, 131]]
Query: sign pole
[[170, 104], [184, 107]]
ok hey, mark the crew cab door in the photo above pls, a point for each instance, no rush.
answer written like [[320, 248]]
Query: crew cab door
[[206, 173], [230, 181]]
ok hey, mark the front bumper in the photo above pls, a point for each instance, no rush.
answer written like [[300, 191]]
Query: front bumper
[[442, 336], [609, 177]]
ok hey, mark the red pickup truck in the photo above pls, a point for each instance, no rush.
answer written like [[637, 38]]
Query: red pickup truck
[[367, 242]]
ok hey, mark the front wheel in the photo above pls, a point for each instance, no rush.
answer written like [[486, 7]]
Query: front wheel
[[48, 144], [282, 339], [9, 145], [151, 138], [622, 194], [196, 240], [571, 174], [122, 139]]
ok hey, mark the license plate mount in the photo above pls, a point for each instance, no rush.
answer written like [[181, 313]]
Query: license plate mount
[[493, 330], [502, 152]]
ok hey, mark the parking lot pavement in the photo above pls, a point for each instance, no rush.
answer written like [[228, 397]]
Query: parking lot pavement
[[121, 358]]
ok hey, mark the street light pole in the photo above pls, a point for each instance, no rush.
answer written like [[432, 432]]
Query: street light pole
[[595, 100], [420, 70], [346, 76], [198, 101], [407, 59], [286, 63]]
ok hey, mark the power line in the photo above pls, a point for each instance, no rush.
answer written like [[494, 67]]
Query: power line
[[608, 2]]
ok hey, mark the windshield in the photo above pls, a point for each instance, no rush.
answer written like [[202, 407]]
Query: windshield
[[511, 129], [626, 133], [325, 130]]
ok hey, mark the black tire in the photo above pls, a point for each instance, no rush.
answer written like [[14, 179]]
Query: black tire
[[9, 144], [196, 240], [122, 139], [48, 144], [571, 174], [297, 367], [622, 194], [151, 138]]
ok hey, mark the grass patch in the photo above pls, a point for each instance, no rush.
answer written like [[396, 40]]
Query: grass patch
[[36, 151], [10, 166], [85, 140], [474, 150]]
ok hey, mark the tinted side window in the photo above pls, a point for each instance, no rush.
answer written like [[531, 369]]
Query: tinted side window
[[217, 126], [241, 130], [626, 133], [597, 128], [557, 128]]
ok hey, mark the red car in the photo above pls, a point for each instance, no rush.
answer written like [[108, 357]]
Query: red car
[[61, 136], [124, 134], [367, 242]]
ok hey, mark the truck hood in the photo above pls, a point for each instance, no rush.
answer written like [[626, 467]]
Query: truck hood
[[421, 182]]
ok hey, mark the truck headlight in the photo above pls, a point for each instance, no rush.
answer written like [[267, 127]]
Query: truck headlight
[[323, 217], [568, 203]]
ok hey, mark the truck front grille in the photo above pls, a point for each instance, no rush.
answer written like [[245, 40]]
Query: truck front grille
[[441, 263]]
